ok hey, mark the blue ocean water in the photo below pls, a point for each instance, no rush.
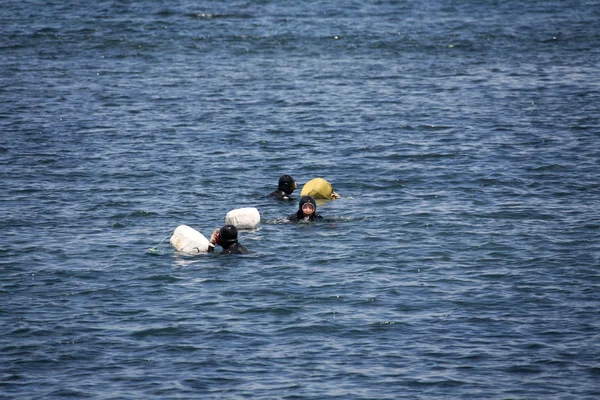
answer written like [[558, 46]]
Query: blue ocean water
[[463, 261]]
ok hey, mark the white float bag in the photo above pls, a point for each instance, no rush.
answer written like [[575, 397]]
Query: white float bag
[[188, 240], [243, 218]]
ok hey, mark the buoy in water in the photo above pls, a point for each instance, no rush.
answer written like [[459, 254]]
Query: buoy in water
[[319, 188], [188, 240], [243, 218]]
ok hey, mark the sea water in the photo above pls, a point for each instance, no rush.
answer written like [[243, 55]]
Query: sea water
[[462, 261]]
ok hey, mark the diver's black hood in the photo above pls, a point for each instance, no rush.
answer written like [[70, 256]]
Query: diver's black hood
[[228, 235], [304, 200], [287, 184]]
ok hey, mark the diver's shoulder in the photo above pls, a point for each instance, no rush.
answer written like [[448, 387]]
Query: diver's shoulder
[[236, 248], [281, 195]]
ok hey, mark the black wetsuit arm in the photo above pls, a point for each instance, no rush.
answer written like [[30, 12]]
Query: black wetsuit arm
[[293, 217]]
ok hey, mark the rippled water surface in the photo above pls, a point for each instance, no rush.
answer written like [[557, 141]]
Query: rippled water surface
[[462, 262]]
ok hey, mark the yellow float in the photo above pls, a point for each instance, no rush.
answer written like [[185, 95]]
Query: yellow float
[[319, 188]]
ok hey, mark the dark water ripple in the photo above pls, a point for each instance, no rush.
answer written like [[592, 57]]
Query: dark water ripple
[[462, 261]]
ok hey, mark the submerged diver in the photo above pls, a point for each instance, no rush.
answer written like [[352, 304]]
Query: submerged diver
[[307, 210], [226, 237], [286, 187]]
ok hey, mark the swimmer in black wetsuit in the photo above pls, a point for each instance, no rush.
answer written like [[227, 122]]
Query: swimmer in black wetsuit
[[286, 187], [307, 210], [226, 237]]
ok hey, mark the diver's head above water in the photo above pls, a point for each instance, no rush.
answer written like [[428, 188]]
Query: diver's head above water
[[228, 235], [307, 206], [287, 184]]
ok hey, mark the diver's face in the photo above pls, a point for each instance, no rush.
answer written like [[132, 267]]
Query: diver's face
[[308, 209]]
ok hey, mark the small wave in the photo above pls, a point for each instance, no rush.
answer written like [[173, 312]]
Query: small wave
[[550, 167], [168, 331], [163, 278], [208, 15], [276, 221]]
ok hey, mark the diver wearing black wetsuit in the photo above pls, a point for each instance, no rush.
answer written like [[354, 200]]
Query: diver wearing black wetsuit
[[286, 187], [226, 237], [307, 210]]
